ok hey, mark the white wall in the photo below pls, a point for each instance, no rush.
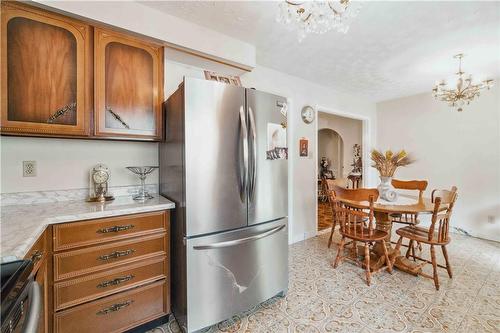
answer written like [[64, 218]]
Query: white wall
[[351, 132], [451, 148], [66, 163], [302, 171]]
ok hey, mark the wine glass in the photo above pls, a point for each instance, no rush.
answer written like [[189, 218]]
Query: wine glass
[[142, 172]]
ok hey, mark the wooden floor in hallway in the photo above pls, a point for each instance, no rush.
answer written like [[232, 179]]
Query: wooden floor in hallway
[[324, 216]]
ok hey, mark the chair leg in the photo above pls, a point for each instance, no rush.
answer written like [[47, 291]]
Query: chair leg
[[355, 249], [339, 252], [367, 264], [396, 249], [419, 246], [413, 252], [434, 267], [331, 233], [410, 246], [387, 259], [448, 266]]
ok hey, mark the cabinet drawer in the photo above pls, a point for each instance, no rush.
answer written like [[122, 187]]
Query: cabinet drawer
[[77, 262], [115, 313], [77, 234], [90, 287]]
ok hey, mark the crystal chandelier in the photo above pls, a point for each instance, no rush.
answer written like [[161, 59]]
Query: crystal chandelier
[[317, 16], [465, 90]]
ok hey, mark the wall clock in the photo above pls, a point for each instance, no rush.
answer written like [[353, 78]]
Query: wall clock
[[307, 114]]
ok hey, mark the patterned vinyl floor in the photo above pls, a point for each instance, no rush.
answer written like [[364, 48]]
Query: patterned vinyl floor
[[323, 299]]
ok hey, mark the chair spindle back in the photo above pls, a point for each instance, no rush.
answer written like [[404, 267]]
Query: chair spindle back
[[410, 185], [351, 218], [341, 182], [441, 221]]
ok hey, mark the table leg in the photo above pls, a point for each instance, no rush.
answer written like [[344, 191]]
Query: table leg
[[383, 223], [402, 263]]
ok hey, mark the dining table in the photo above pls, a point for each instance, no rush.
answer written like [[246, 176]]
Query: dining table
[[405, 204]]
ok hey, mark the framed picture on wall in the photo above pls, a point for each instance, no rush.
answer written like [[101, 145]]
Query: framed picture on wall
[[304, 147], [228, 79]]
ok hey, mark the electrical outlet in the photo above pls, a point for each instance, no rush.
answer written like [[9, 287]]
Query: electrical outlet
[[29, 168], [491, 219]]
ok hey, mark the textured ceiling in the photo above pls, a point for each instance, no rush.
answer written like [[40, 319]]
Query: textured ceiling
[[392, 49]]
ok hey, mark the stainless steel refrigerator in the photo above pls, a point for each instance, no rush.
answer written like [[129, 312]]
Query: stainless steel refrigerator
[[224, 165]]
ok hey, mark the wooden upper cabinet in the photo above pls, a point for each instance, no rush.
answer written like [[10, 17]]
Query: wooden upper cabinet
[[46, 73], [128, 85]]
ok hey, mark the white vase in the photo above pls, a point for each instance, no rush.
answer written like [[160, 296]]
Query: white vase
[[386, 190]]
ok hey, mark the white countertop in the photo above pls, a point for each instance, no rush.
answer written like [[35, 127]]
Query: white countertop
[[21, 225]]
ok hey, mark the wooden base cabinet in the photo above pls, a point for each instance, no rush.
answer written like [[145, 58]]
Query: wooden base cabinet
[[87, 288], [110, 274], [46, 73], [115, 313]]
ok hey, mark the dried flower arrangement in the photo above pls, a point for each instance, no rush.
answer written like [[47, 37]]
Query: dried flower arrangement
[[387, 163]]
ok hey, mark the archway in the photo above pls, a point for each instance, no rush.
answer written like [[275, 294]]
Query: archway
[[330, 149], [330, 159]]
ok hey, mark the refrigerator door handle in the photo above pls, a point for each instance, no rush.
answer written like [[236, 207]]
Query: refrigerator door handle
[[253, 131], [244, 139], [240, 241]]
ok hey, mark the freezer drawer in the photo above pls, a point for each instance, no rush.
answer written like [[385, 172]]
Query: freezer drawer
[[233, 271]]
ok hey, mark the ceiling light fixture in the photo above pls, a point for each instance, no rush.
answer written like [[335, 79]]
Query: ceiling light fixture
[[317, 16], [465, 91]]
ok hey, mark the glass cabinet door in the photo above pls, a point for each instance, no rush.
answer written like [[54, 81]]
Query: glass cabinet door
[[128, 83], [46, 73]]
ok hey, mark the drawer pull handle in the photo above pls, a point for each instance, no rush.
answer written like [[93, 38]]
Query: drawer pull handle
[[116, 228], [116, 281], [114, 307], [116, 254], [37, 255]]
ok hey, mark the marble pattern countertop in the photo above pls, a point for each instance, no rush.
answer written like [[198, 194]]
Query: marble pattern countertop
[[21, 225]]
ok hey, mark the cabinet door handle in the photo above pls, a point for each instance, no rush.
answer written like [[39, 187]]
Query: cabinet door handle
[[117, 117], [116, 228], [114, 308], [37, 255], [116, 281], [61, 112], [116, 254]]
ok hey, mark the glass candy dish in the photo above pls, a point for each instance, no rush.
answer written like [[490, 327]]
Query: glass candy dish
[[142, 172]]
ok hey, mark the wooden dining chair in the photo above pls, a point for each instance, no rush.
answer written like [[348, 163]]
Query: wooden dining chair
[[328, 185], [408, 218], [342, 182], [352, 225], [436, 235], [409, 185]]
